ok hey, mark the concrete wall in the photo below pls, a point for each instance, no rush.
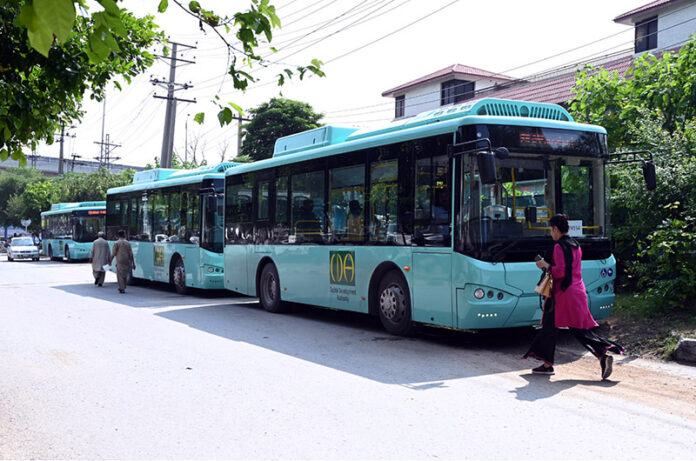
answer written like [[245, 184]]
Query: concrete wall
[[427, 96], [674, 27], [49, 166]]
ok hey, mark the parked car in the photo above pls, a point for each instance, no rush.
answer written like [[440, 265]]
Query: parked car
[[22, 247]]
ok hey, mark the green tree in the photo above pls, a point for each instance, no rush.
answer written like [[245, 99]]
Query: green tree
[[274, 119], [664, 86], [13, 182], [52, 55]]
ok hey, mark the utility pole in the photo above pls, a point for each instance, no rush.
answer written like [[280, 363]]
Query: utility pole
[[101, 147], [240, 119], [74, 156], [170, 112], [62, 138], [105, 158], [186, 139]]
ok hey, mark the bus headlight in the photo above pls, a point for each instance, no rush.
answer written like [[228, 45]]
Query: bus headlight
[[479, 293], [210, 269]]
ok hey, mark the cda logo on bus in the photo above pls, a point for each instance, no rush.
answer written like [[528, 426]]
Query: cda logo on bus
[[342, 265]]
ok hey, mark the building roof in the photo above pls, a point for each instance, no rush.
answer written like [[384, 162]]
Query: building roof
[[557, 87], [456, 70], [641, 12]]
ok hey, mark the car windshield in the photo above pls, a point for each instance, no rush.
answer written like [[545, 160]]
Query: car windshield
[[22, 242]]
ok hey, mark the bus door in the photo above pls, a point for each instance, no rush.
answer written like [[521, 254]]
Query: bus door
[[432, 237], [432, 286]]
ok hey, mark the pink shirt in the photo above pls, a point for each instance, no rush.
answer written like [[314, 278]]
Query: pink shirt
[[571, 305]]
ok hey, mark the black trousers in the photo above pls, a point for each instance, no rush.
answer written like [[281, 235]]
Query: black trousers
[[544, 345]]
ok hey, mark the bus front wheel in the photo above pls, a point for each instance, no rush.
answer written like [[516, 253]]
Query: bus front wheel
[[50, 253], [269, 290], [394, 304], [67, 254], [179, 277]]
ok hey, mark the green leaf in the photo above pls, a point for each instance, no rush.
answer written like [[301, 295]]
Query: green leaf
[[40, 35], [57, 15], [194, 6], [199, 118], [4, 154], [111, 7], [163, 5], [225, 116], [237, 108]]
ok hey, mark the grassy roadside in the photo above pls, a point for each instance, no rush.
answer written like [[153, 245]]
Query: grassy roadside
[[646, 327]]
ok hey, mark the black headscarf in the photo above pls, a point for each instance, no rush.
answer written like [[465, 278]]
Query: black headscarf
[[567, 245]]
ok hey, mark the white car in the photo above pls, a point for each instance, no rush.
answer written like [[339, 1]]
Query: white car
[[22, 247]]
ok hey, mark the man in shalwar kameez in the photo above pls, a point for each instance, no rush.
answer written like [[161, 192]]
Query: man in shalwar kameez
[[99, 256], [124, 260]]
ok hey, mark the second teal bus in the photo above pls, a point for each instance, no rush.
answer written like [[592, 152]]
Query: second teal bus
[[174, 222]]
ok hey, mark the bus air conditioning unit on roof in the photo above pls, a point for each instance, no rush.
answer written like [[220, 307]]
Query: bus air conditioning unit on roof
[[311, 139]]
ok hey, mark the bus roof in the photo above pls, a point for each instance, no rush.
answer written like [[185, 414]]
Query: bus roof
[[60, 208], [330, 140], [165, 177]]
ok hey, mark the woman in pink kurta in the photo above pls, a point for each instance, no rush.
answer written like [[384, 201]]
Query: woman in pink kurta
[[567, 307]]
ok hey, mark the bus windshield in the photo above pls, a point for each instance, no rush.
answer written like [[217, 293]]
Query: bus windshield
[[85, 228], [508, 220]]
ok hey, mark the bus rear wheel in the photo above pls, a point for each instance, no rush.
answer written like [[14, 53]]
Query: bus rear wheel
[[179, 277], [394, 304], [269, 290]]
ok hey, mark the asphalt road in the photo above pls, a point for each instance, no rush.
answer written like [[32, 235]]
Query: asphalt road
[[88, 373]]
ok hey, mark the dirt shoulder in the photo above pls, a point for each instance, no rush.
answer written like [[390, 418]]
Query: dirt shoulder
[[653, 336]]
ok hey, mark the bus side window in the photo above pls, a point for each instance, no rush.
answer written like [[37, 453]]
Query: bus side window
[[432, 201], [146, 218], [238, 210], [308, 207], [383, 200], [347, 204], [282, 225]]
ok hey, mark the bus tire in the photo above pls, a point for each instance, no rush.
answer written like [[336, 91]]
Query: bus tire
[[67, 254], [50, 253], [179, 276], [394, 304], [269, 290]]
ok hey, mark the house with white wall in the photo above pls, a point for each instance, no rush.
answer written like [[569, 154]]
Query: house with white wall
[[660, 26]]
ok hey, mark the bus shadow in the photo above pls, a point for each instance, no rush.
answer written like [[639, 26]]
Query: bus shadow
[[353, 343], [142, 296]]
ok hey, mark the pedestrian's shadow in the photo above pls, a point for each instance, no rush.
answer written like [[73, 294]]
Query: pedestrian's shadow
[[541, 387]]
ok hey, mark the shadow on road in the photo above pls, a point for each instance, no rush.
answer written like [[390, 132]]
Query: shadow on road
[[355, 344], [148, 294], [541, 387], [343, 340]]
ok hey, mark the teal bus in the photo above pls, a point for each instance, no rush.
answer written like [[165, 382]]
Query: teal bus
[[68, 229], [435, 219], [173, 219]]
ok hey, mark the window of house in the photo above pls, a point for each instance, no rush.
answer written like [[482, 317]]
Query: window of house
[[646, 35], [400, 109], [454, 91]]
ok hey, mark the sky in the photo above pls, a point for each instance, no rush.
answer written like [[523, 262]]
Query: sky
[[368, 46]]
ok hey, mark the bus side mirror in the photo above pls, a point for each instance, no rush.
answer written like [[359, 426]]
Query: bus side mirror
[[502, 153], [649, 175], [486, 166]]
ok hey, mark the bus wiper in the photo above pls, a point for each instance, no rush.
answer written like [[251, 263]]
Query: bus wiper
[[494, 256]]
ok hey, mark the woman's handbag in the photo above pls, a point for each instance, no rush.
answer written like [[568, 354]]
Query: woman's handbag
[[545, 285]]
